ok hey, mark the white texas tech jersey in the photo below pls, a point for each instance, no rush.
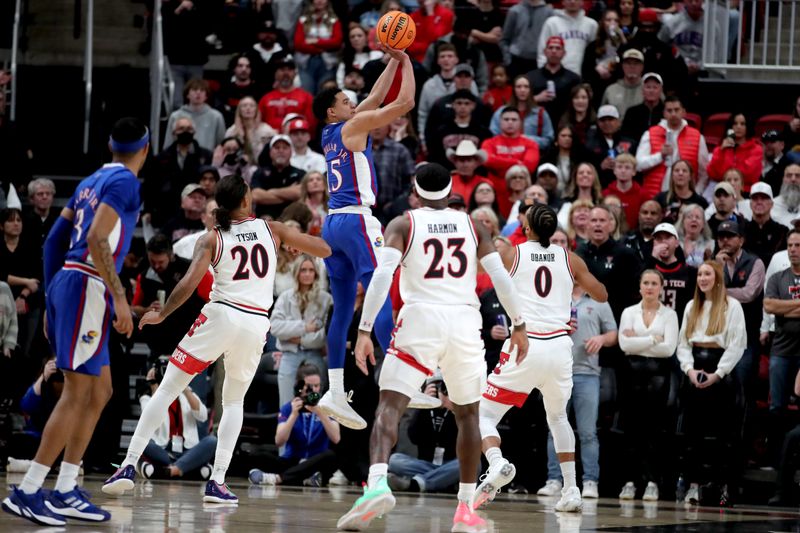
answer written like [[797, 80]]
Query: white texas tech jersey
[[543, 280], [440, 263], [244, 266]]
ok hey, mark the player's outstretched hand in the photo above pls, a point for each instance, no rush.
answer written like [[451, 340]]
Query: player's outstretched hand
[[399, 55], [519, 340], [151, 317], [364, 350], [124, 320]]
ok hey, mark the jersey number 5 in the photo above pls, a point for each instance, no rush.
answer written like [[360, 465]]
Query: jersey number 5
[[333, 187], [436, 270], [259, 260]]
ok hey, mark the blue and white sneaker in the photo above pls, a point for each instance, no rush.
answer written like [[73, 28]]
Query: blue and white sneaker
[[216, 493], [121, 481], [32, 507], [75, 504]]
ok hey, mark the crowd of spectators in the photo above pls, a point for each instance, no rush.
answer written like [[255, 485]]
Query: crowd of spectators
[[583, 108]]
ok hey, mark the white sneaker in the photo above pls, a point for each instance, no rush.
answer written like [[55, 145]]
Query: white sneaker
[[570, 501], [421, 400], [551, 488], [337, 406], [590, 490], [338, 479], [651, 492], [492, 481], [693, 494], [628, 491]]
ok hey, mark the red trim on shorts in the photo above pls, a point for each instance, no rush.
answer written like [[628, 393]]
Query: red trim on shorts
[[190, 364], [369, 242], [409, 360], [504, 396], [546, 335], [77, 327]]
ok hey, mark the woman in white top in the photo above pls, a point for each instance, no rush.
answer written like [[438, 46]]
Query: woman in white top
[[298, 322], [648, 336], [711, 342]]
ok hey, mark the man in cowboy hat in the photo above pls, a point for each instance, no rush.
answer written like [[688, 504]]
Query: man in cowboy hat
[[467, 159]]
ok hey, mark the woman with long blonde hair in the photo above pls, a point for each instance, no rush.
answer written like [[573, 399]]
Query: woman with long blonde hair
[[314, 193], [584, 184], [249, 129], [298, 322], [710, 344], [578, 222]]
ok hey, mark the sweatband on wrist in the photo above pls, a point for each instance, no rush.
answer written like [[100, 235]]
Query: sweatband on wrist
[[55, 248], [378, 289], [503, 285]]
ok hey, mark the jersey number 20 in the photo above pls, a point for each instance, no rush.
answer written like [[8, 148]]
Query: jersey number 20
[[259, 260], [436, 270]]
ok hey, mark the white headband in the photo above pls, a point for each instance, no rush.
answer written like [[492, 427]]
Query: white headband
[[435, 195]]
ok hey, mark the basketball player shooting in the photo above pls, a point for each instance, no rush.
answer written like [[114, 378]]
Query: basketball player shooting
[[439, 326], [83, 255], [353, 234]]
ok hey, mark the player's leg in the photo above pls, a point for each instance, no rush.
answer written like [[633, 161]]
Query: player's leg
[[172, 385], [556, 391]]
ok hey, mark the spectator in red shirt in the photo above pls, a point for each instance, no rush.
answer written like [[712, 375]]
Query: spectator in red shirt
[[317, 40], [506, 150], [433, 22], [466, 158], [741, 150], [499, 93], [628, 191], [285, 98]]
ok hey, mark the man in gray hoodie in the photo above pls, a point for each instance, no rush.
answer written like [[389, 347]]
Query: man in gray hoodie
[[209, 125], [520, 38]]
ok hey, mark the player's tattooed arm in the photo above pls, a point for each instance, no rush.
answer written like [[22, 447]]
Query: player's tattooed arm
[[103, 257], [107, 260]]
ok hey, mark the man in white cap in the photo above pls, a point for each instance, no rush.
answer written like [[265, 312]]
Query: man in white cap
[[189, 220], [276, 184], [725, 204], [605, 142], [627, 91], [668, 258], [549, 177], [763, 236], [641, 117]]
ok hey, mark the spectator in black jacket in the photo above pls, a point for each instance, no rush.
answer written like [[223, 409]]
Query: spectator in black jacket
[[170, 171], [611, 262], [639, 118], [762, 235], [605, 142], [434, 431]]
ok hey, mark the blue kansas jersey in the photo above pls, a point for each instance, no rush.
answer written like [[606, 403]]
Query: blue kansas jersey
[[116, 186], [351, 175]]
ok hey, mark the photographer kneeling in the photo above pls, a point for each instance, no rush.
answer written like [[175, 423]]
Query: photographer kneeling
[[181, 444], [306, 435]]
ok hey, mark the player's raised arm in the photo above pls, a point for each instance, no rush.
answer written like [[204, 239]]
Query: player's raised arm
[[586, 280], [383, 83], [97, 240], [201, 259], [493, 265], [302, 241], [396, 235], [354, 133]]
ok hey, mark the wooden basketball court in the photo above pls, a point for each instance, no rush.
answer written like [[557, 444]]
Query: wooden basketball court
[[178, 506]]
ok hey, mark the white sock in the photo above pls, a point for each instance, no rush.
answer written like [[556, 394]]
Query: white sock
[[494, 455], [135, 449], [67, 477], [336, 379], [465, 491], [568, 473], [376, 472], [34, 478], [222, 460]]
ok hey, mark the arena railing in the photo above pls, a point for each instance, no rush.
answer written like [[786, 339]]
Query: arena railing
[[14, 54], [162, 86], [88, 60], [759, 36]]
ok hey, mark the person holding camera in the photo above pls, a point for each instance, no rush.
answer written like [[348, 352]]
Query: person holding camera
[[180, 445], [434, 432], [740, 149], [712, 339], [307, 436]]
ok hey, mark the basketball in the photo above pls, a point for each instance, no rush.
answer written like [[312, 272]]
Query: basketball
[[396, 30]]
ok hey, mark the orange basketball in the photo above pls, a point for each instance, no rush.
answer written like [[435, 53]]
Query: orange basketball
[[396, 30]]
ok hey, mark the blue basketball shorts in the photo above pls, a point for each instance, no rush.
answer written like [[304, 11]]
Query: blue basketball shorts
[[355, 240]]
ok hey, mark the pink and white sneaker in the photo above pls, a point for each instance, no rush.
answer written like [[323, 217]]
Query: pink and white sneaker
[[466, 521]]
